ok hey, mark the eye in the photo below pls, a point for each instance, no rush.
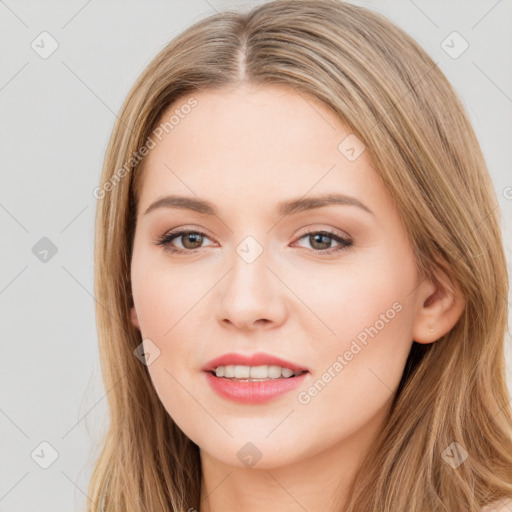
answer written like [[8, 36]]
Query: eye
[[321, 241], [190, 240]]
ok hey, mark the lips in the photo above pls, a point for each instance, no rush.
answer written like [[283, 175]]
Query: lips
[[253, 393], [258, 359]]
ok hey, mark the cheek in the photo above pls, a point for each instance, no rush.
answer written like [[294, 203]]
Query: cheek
[[164, 297], [357, 369], [349, 301], [169, 301], [163, 301], [360, 329]]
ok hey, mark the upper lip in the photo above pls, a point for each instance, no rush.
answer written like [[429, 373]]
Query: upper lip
[[258, 359]]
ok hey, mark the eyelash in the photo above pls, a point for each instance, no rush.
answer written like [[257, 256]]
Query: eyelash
[[166, 240]]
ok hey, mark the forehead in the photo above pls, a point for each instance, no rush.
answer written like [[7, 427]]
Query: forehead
[[253, 139], [249, 117]]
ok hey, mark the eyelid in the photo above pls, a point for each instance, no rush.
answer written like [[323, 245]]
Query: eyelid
[[318, 227]]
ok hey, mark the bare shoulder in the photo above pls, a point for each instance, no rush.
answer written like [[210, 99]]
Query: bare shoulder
[[503, 505]]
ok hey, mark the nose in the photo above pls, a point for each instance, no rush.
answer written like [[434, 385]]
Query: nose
[[251, 296]]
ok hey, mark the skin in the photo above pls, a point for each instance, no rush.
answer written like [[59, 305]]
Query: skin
[[246, 149]]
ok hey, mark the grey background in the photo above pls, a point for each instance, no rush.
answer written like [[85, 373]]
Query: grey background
[[57, 114]]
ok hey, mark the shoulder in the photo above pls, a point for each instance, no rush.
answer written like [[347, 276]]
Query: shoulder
[[503, 505]]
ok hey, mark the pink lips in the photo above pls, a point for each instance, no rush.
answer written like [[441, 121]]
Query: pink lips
[[258, 359], [254, 392]]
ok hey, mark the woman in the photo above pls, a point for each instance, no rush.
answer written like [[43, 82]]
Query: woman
[[300, 278]]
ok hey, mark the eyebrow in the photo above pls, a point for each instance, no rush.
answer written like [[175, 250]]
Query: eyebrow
[[284, 209]]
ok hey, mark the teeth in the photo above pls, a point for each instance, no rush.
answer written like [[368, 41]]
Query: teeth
[[286, 372], [229, 371], [254, 372], [260, 372], [274, 372], [242, 372]]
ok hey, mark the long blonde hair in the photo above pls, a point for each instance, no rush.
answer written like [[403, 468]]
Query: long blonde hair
[[390, 93]]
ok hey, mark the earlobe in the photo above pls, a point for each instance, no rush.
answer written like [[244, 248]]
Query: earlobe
[[135, 319], [440, 306]]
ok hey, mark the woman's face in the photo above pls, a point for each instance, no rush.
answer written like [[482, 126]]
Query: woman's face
[[259, 276]]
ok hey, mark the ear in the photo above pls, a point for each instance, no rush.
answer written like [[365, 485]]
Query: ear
[[135, 319], [440, 305]]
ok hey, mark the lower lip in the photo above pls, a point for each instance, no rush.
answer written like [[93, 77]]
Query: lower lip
[[255, 392]]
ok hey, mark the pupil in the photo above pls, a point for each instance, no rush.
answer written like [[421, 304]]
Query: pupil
[[321, 236], [193, 238]]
